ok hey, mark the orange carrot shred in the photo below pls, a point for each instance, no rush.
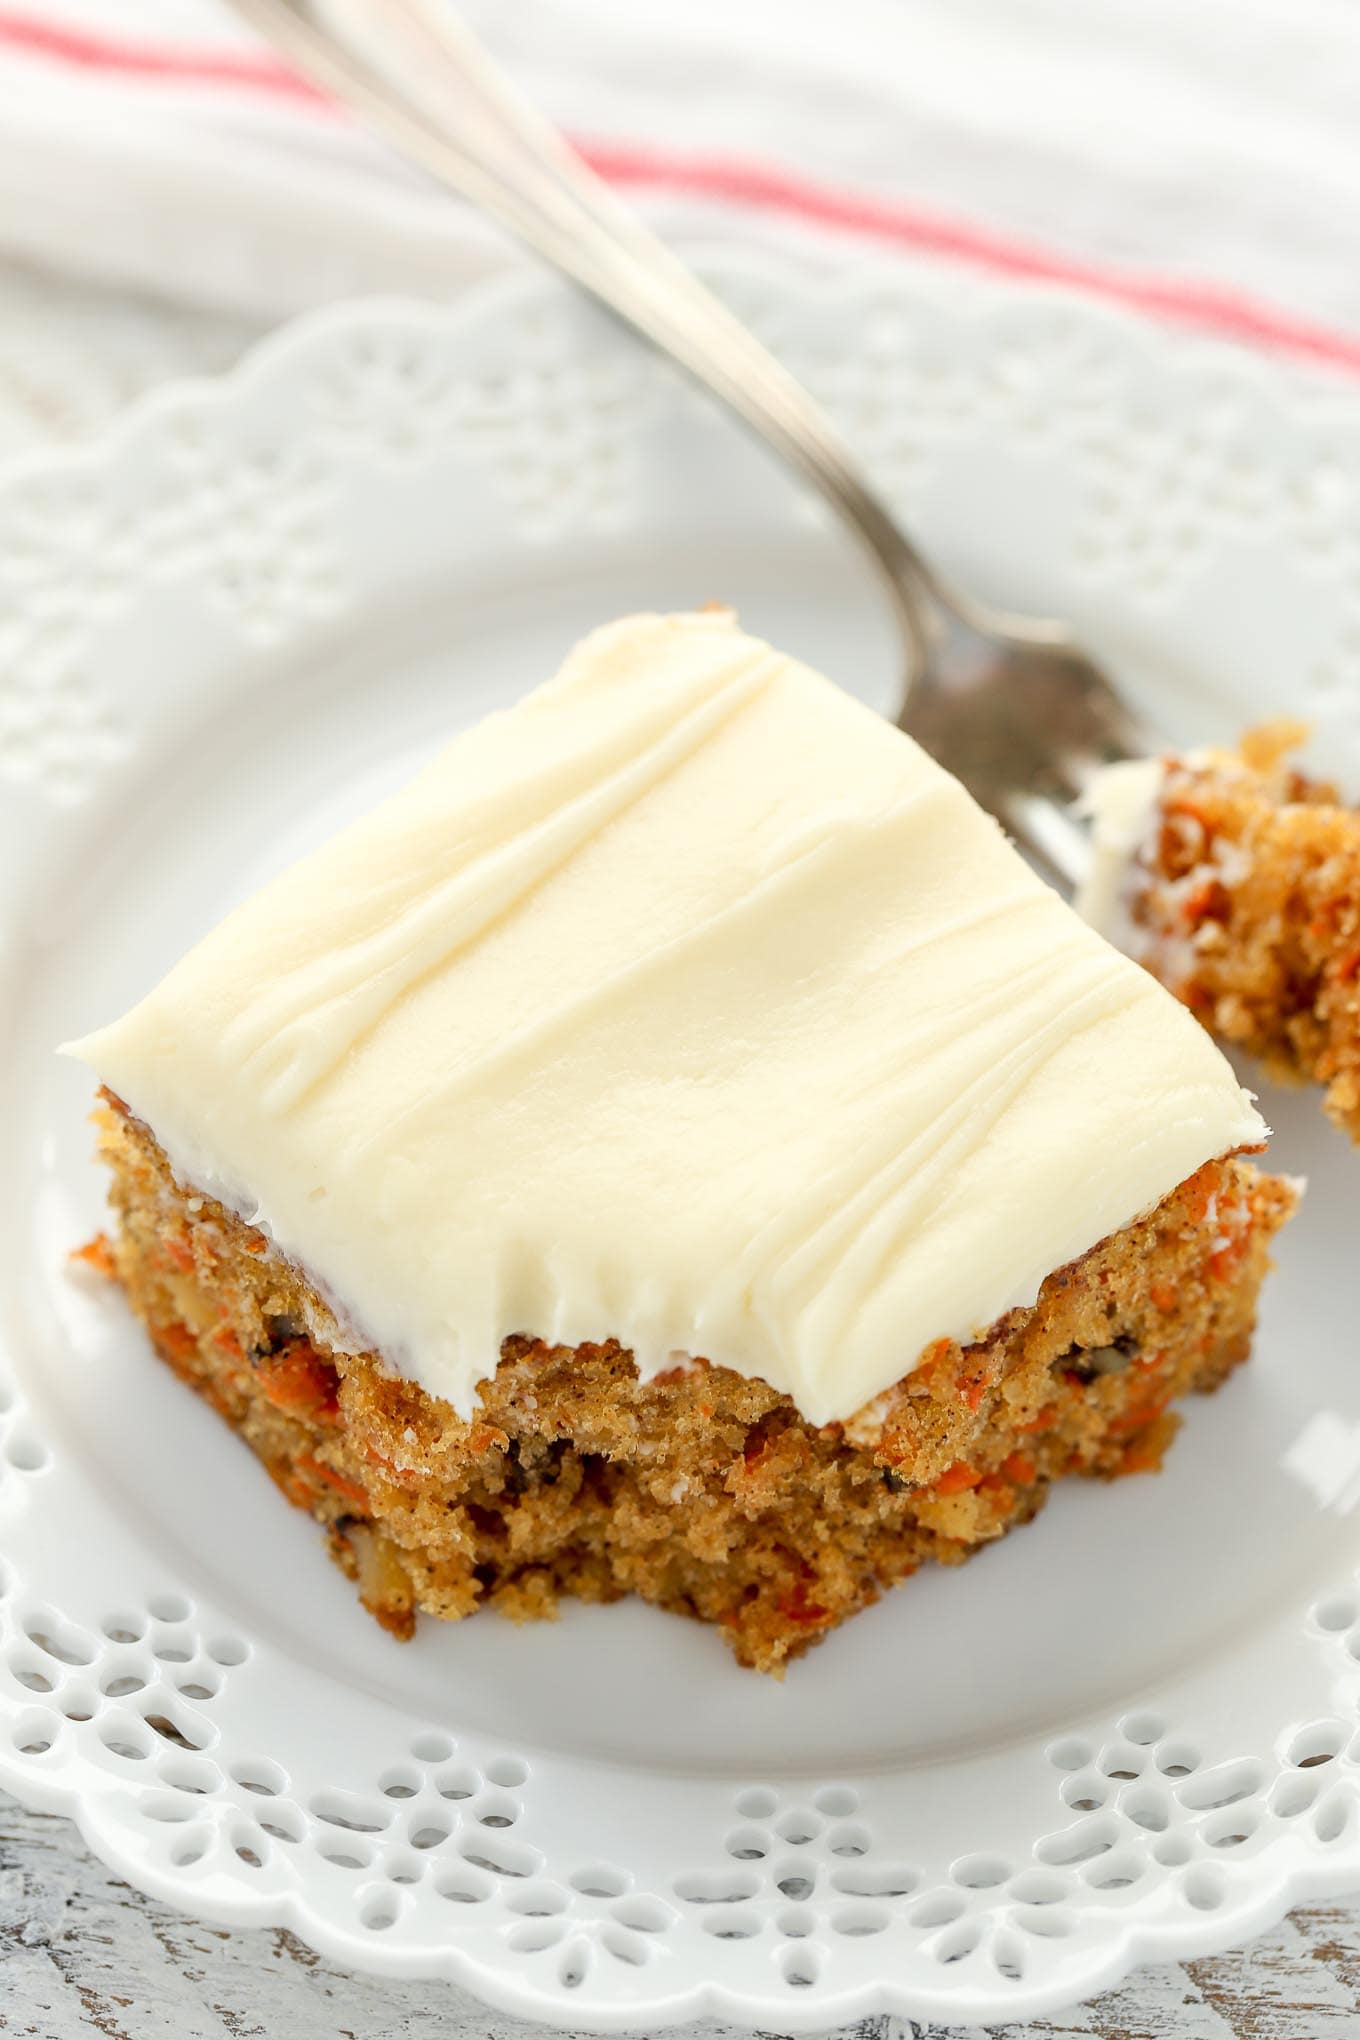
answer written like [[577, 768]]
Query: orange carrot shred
[[97, 1254], [317, 1469], [956, 1478], [1198, 1192], [1044, 1421], [299, 1379]]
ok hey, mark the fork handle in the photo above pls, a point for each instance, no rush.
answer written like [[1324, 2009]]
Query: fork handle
[[415, 71]]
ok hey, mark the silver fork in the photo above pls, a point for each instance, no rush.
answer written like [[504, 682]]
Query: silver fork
[[1008, 702]]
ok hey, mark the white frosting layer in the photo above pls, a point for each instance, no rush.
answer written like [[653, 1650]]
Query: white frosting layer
[[1121, 805], [687, 1003]]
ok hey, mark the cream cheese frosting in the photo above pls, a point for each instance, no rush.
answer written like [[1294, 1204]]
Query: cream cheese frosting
[[686, 1003], [1121, 804]]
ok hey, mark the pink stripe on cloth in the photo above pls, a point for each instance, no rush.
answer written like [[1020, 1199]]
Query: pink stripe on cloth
[[140, 60], [1205, 307]]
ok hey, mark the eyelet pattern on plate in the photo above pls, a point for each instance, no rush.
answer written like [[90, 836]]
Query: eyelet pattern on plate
[[914, 376]]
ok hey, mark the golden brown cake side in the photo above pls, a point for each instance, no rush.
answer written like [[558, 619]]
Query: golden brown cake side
[[701, 1490], [1246, 899]]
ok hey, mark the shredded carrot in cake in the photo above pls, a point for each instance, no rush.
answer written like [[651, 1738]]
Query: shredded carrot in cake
[[705, 1491], [299, 1379], [307, 1463], [956, 1478], [1199, 1190], [98, 1255], [1044, 1420], [179, 1341], [1246, 904]]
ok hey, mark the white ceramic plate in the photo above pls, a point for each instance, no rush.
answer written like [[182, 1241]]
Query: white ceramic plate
[[1129, 1732]]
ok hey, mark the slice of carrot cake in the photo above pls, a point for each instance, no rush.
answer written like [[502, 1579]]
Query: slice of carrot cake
[[676, 1146], [1236, 879]]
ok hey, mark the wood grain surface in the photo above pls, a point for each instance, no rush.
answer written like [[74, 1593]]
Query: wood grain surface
[[81, 1953]]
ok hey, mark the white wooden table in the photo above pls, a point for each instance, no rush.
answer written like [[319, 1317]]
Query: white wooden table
[[80, 1952]]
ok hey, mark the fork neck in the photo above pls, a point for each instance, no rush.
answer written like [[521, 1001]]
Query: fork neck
[[414, 71]]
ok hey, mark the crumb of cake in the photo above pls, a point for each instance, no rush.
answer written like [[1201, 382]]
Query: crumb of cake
[[703, 1491], [1244, 898]]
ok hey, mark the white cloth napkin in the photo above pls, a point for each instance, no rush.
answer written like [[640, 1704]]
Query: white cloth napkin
[[1196, 157]]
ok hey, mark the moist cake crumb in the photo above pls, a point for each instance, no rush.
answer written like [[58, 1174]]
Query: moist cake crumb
[[703, 1491], [1243, 897]]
